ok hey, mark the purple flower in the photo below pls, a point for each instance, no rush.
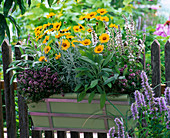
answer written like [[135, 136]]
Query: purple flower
[[134, 111], [131, 70], [121, 131], [125, 66], [111, 132], [162, 104], [138, 98]]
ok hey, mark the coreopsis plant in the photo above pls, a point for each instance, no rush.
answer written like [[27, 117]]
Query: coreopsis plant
[[152, 114], [93, 56]]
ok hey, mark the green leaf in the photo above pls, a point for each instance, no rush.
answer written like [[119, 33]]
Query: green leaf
[[108, 59], [111, 79], [102, 100], [7, 6], [110, 85], [13, 77], [121, 77], [125, 71], [21, 6], [107, 69], [8, 32], [80, 74], [1, 1], [99, 89], [78, 87], [50, 2], [86, 59], [91, 96], [82, 69], [15, 68], [2, 27], [81, 96], [126, 2], [94, 83], [12, 20]]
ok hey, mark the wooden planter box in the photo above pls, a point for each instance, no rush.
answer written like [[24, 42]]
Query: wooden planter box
[[65, 114]]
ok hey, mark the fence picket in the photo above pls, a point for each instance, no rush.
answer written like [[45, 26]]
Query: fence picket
[[156, 67], [88, 135], [1, 115], [167, 62], [75, 134], [61, 134], [102, 135], [9, 91], [49, 134]]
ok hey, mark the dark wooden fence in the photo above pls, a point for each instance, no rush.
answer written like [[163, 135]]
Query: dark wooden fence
[[23, 111]]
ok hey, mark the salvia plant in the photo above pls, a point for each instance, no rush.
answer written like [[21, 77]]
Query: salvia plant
[[152, 114], [89, 58]]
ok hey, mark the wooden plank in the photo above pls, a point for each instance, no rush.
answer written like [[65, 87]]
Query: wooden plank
[[75, 134], [49, 134], [167, 62], [2, 85], [88, 135], [61, 134], [9, 91], [22, 106], [102, 135], [156, 67], [1, 116]]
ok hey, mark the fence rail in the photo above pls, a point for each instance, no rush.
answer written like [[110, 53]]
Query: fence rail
[[23, 111]]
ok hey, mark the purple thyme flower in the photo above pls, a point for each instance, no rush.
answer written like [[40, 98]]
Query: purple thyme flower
[[162, 104], [138, 98], [121, 131], [131, 70], [134, 111], [111, 132], [167, 95], [148, 90]]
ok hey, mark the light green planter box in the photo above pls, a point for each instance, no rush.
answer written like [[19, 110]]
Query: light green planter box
[[65, 114]]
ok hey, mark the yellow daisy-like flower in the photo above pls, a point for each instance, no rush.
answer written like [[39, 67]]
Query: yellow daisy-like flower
[[50, 15], [42, 58], [99, 49], [69, 36], [39, 28], [102, 11], [66, 34], [74, 41], [81, 27], [37, 33], [45, 33], [86, 42], [48, 24], [104, 38], [82, 17], [65, 44], [88, 17], [105, 18], [57, 26], [92, 14], [40, 36], [89, 30], [98, 17], [66, 29], [76, 29], [46, 39], [59, 35], [45, 26], [113, 25], [47, 49], [57, 56]]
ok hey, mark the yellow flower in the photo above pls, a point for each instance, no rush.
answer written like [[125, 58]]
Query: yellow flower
[[46, 39], [59, 35], [81, 27], [50, 15], [66, 30], [102, 11], [92, 14], [76, 29], [45, 26], [47, 49], [72, 43], [57, 26], [48, 24], [42, 58], [69, 36], [105, 18], [104, 38], [37, 33], [113, 25], [99, 49], [65, 44], [89, 30], [86, 42], [39, 28], [82, 17], [40, 36], [45, 33], [57, 56], [98, 17]]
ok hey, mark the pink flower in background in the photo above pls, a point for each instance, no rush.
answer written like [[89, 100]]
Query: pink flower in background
[[163, 29]]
